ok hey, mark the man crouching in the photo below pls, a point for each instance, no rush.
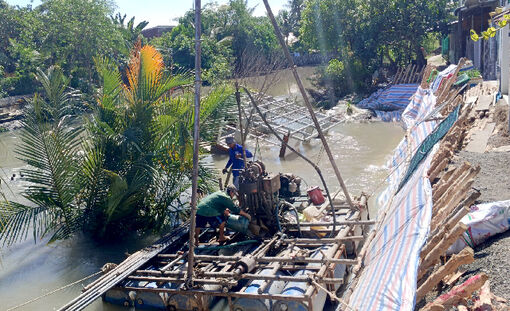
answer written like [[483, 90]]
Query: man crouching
[[214, 210]]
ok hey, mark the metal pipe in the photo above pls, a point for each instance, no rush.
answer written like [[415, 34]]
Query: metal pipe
[[307, 102], [308, 260], [196, 138], [347, 223], [215, 293]]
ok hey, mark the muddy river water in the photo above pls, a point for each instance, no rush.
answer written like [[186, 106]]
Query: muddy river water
[[30, 269]]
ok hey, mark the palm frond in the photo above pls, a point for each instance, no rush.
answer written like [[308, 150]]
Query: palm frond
[[49, 145], [112, 82], [20, 219]]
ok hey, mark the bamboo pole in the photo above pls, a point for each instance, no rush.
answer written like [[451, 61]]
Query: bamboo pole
[[340, 223], [243, 138], [196, 139], [307, 102]]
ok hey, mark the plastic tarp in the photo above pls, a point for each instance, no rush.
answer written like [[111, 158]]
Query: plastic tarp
[[389, 276], [484, 220], [389, 103]]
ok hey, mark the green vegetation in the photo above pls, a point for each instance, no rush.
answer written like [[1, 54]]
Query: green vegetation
[[125, 169], [231, 36], [67, 33], [367, 35]]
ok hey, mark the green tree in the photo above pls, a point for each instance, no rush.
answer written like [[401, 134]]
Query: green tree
[[124, 169], [130, 33], [231, 34], [178, 46], [18, 55], [74, 32]]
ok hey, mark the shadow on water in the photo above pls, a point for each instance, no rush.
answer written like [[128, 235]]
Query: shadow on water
[[29, 270]]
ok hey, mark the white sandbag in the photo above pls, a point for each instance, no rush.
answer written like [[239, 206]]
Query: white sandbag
[[484, 221]]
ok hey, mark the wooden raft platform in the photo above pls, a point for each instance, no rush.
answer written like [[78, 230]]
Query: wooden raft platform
[[242, 273]]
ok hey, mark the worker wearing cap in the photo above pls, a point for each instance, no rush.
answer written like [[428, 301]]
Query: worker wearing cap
[[235, 159], [215, 210]]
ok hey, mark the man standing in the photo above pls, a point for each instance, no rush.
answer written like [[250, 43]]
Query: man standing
[[215, 210], [235, 159]]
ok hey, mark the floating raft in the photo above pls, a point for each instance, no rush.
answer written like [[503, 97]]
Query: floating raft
[[283, 272]]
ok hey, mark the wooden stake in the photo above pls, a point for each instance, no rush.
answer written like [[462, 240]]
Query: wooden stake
[[196, 140], [458, 293], [440, 249], [466, 256], [484, 301]]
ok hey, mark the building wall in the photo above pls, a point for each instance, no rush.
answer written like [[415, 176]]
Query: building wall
[[504, 59]]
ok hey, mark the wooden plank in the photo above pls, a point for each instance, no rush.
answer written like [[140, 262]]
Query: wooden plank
[[479, 139], [453, 278], [484, 102], [440, 248]]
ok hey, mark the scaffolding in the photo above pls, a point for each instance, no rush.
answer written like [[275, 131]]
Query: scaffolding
[[286, 116]]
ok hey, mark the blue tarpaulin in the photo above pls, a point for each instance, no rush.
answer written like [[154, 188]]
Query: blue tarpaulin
[[389, 103]]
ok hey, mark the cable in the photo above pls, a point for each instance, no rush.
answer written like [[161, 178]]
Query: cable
[[292, 207], [54, 291]]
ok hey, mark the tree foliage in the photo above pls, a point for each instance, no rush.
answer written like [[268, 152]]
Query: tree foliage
[[365, 35], [229, 34], [67, 33], [125, 169]]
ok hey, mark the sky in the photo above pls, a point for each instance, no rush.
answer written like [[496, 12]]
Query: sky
[[164, 12]]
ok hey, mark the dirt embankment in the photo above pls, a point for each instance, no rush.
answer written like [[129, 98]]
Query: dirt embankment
[[493, 256]]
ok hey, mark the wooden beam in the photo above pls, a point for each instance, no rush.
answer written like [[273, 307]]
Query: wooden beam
[[458, 293], [440, 249], [466, 256]]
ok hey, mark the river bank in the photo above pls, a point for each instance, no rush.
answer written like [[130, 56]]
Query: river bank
[[487, 146]]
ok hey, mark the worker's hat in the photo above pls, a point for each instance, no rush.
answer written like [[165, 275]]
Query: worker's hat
[[229, 140]]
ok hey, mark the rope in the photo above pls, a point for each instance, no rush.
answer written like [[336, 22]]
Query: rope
[[56, 290], [332, 295]]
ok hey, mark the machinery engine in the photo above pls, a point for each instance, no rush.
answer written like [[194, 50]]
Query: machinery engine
[[258, 194]]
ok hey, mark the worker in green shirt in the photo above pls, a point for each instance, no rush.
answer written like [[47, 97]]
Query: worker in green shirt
[[215, 210]]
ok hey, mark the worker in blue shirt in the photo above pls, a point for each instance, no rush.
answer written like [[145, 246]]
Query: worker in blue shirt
[[235, 159]]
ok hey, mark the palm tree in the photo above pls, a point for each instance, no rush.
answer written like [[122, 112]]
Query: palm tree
[[122, 169], [48, 144]]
